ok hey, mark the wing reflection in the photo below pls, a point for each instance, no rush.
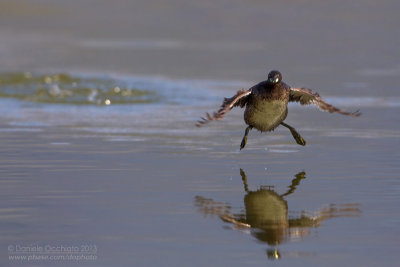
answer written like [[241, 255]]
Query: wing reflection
[[266, 214]]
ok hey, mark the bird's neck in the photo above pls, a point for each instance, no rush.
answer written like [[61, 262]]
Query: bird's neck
[[275, 91]]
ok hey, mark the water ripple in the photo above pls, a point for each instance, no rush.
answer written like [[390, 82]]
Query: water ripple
[[67, 89]]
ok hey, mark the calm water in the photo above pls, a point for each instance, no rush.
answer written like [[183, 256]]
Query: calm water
[[101, 164]]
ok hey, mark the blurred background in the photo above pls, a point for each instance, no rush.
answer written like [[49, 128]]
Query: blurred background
[[333, 44]]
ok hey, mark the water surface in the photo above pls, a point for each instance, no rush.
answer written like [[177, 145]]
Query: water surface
[[99, 150]]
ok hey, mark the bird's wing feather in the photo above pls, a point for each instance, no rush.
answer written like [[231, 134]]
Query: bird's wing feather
[[239, 99], [306, 97]]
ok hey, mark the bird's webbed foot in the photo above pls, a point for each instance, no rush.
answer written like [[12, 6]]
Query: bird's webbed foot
[[295, 134]]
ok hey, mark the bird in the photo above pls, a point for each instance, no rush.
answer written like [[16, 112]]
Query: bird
[[266, 106]]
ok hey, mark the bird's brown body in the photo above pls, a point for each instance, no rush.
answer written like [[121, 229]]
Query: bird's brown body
[[266, 106]]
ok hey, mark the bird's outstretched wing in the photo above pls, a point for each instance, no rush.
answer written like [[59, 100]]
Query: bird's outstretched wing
[[306, 97], [239, 99]]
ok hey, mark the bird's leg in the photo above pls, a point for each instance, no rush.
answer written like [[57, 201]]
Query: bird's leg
[[244, 140], [244, 179], [295, 182], [296, 135]]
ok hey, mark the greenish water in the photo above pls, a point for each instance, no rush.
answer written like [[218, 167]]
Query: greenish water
[[66, 89]]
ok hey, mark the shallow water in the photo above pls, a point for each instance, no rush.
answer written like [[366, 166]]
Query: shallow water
[[100, 154]]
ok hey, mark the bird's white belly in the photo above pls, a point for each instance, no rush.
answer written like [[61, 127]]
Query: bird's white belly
[[265, 115]]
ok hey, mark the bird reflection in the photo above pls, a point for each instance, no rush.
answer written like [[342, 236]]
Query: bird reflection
[[266, 214]]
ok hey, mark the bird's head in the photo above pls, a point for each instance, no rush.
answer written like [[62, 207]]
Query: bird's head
[[274, 77]]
